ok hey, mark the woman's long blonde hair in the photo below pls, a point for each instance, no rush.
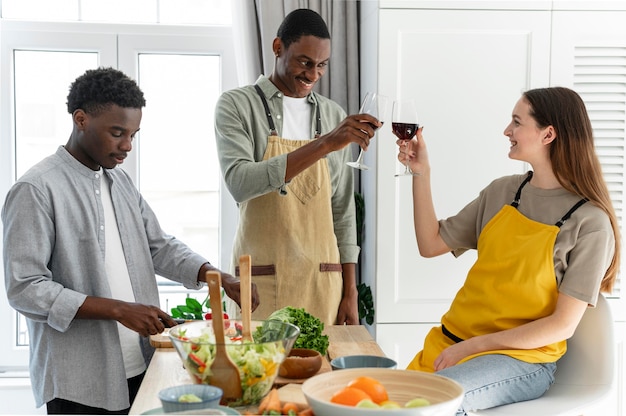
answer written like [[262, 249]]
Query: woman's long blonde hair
[[573, 156]]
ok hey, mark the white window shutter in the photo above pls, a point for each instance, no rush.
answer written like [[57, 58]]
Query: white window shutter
[[600, 79]]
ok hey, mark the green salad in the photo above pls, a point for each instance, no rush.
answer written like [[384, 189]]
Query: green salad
[[257, 362]]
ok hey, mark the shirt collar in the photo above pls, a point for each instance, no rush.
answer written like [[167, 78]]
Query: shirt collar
[[76, 165], [270, 90]]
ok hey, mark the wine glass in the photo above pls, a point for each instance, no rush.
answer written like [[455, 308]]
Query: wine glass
[[375, 105], [404, 124]]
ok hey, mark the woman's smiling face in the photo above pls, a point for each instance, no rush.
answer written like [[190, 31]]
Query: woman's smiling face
[[301, 65], [527, 139]]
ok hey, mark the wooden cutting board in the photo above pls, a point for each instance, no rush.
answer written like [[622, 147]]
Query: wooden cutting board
[[161, 340]]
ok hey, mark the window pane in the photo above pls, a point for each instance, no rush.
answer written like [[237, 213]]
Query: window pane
[[196, 12], [21, 336], [40, 9], [42, 122], [119, 11], [178, 168], [208, 12]]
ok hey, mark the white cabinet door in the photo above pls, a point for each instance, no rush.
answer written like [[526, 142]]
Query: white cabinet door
[[402, 341], [466, 69]]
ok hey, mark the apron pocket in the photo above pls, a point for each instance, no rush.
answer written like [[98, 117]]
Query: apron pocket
[[304, 186]]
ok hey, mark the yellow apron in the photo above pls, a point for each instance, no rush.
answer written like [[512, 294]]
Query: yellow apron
[[512, 283], [291, 239]]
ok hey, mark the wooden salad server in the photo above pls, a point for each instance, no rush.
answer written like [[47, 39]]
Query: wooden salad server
[[245, 276], [224, 373]]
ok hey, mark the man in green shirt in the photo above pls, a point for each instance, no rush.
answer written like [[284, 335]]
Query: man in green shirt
[[283, 151]]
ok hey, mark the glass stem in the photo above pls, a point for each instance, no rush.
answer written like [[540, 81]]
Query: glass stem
[[360, 158]]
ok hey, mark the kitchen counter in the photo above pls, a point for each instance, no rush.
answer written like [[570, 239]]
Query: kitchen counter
[[166, 368]]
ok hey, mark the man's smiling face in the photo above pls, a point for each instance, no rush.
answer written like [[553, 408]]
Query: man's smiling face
[[299, 67]]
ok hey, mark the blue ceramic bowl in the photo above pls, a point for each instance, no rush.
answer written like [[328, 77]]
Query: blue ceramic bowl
[[210, 397], [362, 361]]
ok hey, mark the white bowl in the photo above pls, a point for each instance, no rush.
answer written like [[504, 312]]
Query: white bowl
[[444, 394]]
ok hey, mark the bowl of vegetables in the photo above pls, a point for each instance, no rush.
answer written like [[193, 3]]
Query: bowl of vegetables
[[190, 397], [258, 360], [382, 391]]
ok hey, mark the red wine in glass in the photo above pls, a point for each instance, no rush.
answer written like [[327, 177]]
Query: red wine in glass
[[404, 125], [404, 131]]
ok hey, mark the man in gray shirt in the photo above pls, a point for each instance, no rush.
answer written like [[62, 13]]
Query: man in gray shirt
[[81, 250]]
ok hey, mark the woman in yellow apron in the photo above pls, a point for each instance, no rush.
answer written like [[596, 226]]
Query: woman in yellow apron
[[542, 259]]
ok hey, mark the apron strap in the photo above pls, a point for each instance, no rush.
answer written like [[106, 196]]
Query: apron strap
[[565, 217], [318, 118], [570, 212], [450, 335], [518, 195], [268, 114]]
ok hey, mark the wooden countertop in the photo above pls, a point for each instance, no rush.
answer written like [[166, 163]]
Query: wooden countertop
[[166, 368]]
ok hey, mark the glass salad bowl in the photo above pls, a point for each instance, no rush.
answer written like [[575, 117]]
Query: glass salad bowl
[[258, 361]]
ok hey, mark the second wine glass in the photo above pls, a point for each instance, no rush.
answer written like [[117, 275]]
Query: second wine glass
[[375, 105], [404, 124]]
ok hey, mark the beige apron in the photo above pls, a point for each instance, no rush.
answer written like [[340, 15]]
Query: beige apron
[[512, 283], [291, 239]]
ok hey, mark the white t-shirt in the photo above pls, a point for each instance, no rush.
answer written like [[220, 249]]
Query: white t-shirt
[[296, 118], [119, 280]]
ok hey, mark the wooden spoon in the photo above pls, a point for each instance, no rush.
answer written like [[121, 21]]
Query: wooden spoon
[[224, 373], [245, 273]]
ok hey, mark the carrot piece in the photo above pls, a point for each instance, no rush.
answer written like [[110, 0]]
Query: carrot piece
[[306, 412], [273, 403], [263, 404], [289, 406], [270, 402]]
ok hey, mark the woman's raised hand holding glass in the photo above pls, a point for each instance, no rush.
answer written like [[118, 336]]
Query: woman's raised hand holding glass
[[404, 124], [375, 105]]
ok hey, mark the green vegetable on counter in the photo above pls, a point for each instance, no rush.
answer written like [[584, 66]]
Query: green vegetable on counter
[[311, 328]]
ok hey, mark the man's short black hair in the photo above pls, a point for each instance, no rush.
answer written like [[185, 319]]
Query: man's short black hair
[[97, 89], [302, 22]]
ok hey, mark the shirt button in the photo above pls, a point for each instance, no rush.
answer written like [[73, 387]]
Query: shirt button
[[97, 175], [279, 95], [97, 192], [102, 227], [278, 116]]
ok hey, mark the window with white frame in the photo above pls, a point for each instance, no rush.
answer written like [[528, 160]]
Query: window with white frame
[[181, 56]]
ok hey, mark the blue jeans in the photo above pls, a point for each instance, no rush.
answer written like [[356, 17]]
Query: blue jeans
[[495, 379]]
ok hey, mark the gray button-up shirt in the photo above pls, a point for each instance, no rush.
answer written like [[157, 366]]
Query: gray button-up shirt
[[54, 258]]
